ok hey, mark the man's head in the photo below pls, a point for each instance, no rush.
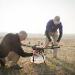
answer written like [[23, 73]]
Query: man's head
[[22, 35], [56, 20]]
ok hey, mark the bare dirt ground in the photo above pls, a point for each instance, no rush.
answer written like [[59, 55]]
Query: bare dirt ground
[[64, 65]]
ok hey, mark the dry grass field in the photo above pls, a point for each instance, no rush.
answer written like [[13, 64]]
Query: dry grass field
[[64, 65]]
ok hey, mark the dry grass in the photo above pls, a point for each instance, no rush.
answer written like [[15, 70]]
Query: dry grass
[[66, 56]]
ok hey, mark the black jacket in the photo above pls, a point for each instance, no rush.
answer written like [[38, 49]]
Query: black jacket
[[11, 42]]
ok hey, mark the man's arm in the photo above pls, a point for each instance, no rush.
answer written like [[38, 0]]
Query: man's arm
[[24, 54], [48, 28], [60, 33], [20, 51], [47, 35]]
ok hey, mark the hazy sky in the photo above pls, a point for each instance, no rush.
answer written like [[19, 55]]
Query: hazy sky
[[33, 15]]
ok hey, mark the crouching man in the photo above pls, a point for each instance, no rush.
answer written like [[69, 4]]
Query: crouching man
[[10, 48]]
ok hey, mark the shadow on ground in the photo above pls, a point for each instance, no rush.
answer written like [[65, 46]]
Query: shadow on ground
[[29, 69]]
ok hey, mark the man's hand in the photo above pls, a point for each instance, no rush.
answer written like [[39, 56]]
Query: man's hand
[[56, 43]]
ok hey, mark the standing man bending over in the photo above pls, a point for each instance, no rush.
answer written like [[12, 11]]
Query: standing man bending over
[[52, 33]]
